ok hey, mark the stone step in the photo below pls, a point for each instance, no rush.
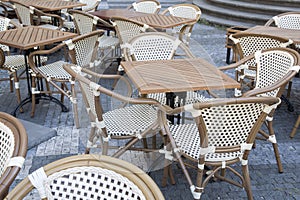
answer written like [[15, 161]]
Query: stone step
[[240, 13]]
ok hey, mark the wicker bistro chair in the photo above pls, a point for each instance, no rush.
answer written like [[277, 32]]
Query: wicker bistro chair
[[88, 177], [247, 44], [28, 15], [146, 6], [81, 50], [85, 23], [13, 149], [275, 68], [141, 119], [186, 11], [222, 134]]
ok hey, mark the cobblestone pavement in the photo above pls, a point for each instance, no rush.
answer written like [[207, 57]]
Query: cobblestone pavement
[[267, 183]]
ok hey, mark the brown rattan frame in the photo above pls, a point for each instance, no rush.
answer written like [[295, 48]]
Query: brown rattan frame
[[128, 170], [20, 150]]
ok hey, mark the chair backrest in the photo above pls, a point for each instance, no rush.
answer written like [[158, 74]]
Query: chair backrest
[[83, 48], [4, 24], [146, 6], [186, 11], [288, 20], [248, 43], [126, 29], [89, 177], [154, 46], [85, 22], [91, 5], [229, 125], [275, 68], [24, 13], [13, 149]]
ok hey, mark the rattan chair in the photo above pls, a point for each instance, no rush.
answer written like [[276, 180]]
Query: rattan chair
[[146, 6], [221, 137], [275, 68], [13, 149], [28, 15], [88, 177], [186, 11], [81, 50], [245, 45], [85, 23], [141, 119]]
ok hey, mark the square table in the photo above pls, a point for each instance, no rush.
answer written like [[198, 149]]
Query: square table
[[177, 75], [27, 38], [56, 5], [153, 20], [293, 34]]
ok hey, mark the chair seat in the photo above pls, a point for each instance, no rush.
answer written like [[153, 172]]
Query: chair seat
[[55, 70], [191, 145], [130, 121], [17, 62], [108, 41]]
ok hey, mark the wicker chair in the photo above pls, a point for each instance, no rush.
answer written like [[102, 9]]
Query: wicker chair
[[222, 135], [146, 6], [29, 15], [275, 67], [81, 50], [186, 11], [139, 120], [13, 149], [88, 177], [247, 44], [85, 23]]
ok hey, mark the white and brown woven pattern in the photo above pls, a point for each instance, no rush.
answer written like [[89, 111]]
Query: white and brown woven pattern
[[55, 71], [272, 66], [147, 6], [90, 183], [7, 141], [225, 125], [289, 21]]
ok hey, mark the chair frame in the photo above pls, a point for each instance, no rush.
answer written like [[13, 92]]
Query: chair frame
[[127, 170], [35, 12], [20, 149], [272, 21], [185, 31], [217, 166], [37, 73]]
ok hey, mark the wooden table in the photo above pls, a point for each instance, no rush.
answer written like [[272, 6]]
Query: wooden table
[[26, 38], [176, 75], [292, 34], [153, 20]]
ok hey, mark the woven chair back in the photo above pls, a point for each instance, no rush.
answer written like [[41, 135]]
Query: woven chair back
[[4, 23], [147, 6], [288, 21], [24, 13], [84, 22]]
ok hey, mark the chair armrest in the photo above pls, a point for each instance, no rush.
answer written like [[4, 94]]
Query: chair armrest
[[237, 64], [40, 13], [93, 8]]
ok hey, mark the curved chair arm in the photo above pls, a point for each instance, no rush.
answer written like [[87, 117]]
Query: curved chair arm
[[2, 58], [237, 64], [269, 22], [40, 13]]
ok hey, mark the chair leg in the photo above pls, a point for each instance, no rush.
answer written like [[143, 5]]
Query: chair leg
[[246, 182], [33, 89], [75, 107], [17, 89], [91, 140], [288, 95], [295, 127], [272, 139]]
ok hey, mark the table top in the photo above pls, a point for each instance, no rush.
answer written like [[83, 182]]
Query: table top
[[176, 75], [292, 34], [153, 20], [32, 36], [51, 5]]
